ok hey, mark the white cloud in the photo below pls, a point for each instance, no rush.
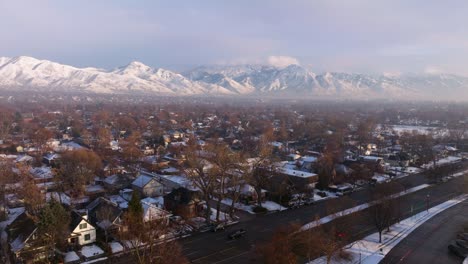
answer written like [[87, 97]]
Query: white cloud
[[282, 61], [433, 70]]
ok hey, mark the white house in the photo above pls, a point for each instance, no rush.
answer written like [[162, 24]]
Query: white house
[[82, 231]]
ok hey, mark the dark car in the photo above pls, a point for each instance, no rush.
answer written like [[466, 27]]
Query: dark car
[[218, 227], [322, 194], [458, 250], [462, 243], [237, 234]]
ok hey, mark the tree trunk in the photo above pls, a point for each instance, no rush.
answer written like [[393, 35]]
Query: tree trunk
[[208, 210], [218, 208], [231, 209], [259, 196], [380, 236]]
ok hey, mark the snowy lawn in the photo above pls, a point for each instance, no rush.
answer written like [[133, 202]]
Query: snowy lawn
[[71, 257], [91, 251], [370, 251], [116, 247], [223, 217], [447, 160], [269, 205]]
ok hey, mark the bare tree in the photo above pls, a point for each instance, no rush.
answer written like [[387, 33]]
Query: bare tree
[[197, 169], [145, 240], [77, 168], [386, 207], [261, 168], [224, 167]]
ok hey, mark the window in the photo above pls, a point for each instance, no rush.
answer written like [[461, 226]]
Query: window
[[87, 237], [83, 226]]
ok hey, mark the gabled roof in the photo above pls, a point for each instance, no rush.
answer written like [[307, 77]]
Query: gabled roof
[[112, 210], [20, 230], [142, 180], [76, 219]]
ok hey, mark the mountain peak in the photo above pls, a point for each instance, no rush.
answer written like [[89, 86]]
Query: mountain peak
[[136, 64]]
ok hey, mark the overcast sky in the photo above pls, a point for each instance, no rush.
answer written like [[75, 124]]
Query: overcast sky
[[347, 35]]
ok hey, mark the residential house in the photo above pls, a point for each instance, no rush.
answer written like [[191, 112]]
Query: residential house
[[24, 242], [184, 202], [299, 179], [82, 232], [51, 159], [106, 215], [148, 186], [117, 182]]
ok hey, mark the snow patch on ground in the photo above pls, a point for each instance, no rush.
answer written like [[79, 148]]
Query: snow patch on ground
[[71, 256], [269, 205], [115, 247], [91, 251], [444, 161], [358, 208]]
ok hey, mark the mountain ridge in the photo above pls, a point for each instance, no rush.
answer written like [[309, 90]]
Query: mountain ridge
[[44, 75]]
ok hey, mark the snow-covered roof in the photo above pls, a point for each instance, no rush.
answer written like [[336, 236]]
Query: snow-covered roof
[[142, 180], [158, 201], [309, 159], [59, 197], [297, 173], [24, 158], [152, 212], [112, 179], [41, 172]]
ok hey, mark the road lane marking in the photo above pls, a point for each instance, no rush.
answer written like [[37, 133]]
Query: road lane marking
[[238, 255], [206, 256]]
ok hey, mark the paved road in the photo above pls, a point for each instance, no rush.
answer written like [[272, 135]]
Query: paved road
[[211, 248], [428, 243], [216, 248]]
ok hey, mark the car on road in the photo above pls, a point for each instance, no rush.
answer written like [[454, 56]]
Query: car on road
[[218, 227], [309, 201], [237, 234], [322, 194], [458, 250], [462, 243]]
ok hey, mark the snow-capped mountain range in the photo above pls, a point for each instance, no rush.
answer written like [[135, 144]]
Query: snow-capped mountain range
[[296, 81]]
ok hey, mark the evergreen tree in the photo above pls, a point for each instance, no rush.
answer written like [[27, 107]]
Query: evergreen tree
[[53, 224], [135, 209]]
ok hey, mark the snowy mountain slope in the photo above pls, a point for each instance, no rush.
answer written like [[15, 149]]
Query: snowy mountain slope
[[293, 80], [46, 75]]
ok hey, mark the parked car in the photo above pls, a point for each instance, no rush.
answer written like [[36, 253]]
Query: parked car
[[237, 234], [309, 201], [218, 227], [462, 243], [322, 194], [458, 250]]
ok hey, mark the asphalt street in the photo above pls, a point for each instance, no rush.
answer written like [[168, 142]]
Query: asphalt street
[[216, 248], [211, 248], [428, 243]]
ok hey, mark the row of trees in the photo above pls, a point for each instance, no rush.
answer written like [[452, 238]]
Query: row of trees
[[220, 173], [291, 242]]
